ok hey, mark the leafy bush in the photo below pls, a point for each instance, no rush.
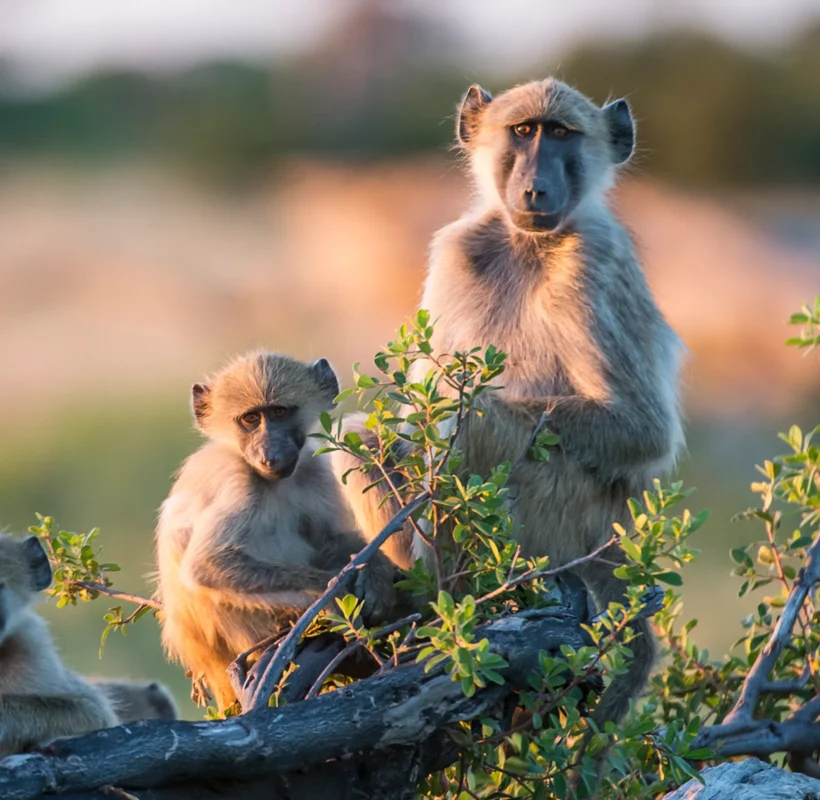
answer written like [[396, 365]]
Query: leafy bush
[[417, 403]]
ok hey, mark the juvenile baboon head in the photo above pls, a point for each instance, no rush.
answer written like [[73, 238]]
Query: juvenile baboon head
[[265, 404], [540, 149], [24, 571]]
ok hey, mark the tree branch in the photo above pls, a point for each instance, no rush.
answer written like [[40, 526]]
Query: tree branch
[[401, 707], [91, 586], [757, 679]]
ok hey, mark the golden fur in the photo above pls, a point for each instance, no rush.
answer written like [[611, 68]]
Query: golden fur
[[241, 556]]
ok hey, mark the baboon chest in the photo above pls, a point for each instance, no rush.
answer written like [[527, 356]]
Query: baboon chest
[[515, 310]]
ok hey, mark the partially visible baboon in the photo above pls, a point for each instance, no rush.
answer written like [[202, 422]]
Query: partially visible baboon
[[39, 698], [255, 526], [136, 700], [540, 268]]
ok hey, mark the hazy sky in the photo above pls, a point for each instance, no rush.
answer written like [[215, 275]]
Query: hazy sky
[[54, 38]]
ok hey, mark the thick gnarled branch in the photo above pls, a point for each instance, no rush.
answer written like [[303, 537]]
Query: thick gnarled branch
[[401, 707]]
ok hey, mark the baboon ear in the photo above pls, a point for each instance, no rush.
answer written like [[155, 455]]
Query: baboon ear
[[621, 128], [326, 378], [39, 567], [469, 113], [201, 403]]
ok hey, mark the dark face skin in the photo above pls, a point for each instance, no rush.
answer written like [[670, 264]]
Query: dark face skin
[[540, 154], [540, 179], [271, 438], [40, 576]]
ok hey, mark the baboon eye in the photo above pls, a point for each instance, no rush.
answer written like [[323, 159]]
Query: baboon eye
[[559, 132], [524, 130], [251, 419], [279, 411]]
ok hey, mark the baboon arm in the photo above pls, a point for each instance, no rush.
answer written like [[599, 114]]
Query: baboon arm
[[338, 549], [606, 440], [28, 720], [608, 434], [246, 581]]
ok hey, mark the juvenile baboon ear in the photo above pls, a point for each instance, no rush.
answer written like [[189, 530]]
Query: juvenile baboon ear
[[469, 113], [39, 567], [326, 378], [201, 402], [621, 129]]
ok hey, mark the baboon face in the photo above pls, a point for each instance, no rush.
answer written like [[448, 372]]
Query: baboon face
[[541, 148], [24, 571], [270, 438], [265, 404]]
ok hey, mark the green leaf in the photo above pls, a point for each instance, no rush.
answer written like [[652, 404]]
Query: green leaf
[[631, 549], [671, 578]]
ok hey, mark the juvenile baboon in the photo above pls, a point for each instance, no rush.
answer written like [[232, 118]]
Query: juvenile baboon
[[135, 700], [39, 698], [255, 526], [542, 269]]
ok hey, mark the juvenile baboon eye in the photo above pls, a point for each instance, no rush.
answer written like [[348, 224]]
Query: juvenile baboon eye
[[524, 130], [279, 411], [558, 132], [251, 419]]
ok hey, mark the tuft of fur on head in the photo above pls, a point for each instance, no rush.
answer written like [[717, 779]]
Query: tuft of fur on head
[[24, 572], [261, 378]]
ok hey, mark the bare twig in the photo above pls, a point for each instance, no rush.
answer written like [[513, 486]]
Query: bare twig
[[328, 670], [238, 668], [759, 737], [757, 678], [257, 693], [808, 712], [786, 688], [535, 574], [145, 602]]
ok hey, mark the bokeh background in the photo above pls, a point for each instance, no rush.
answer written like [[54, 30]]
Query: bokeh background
[[181, 180]]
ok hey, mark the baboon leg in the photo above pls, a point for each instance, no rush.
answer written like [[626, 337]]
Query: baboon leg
[[614, 704], [375, 508]]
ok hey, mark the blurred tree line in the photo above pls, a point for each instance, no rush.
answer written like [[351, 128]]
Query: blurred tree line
[[382, 85]]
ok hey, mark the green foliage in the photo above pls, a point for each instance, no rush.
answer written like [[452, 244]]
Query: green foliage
[[809, 318], [789, 511], [417, 405], [475, 574], [80, 574], [75, 560]]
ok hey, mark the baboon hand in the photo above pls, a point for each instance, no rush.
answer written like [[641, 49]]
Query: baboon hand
[[199, 689], [374, 586]]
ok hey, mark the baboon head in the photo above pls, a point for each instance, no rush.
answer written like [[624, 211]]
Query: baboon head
[[24, 571], [539, 150], [265, 404]]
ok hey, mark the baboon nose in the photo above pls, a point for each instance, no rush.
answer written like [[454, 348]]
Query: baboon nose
[[533, 197]]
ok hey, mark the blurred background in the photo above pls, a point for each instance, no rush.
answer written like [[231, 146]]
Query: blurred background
[[181, 180]]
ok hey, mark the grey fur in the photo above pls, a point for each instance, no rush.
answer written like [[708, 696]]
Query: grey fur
[[570, 306], [39, 698], [136, 700]]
